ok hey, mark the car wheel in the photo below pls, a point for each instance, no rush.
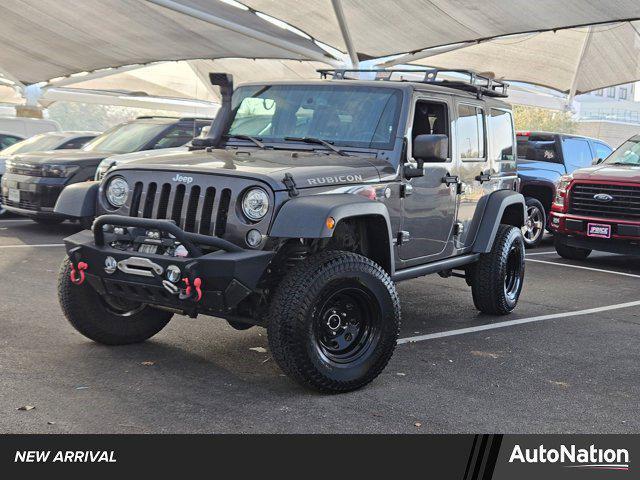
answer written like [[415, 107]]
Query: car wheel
[[333, 322], [106, 320], [570, 253], [535, 223], [498, 276]]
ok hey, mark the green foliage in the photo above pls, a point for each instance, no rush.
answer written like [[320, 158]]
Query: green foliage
[[542, 119], [88, 116]]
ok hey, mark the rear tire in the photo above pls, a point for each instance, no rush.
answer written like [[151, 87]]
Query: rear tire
[[535, 223], [334, 321], [499, 275], [570, 253], [93, 317]]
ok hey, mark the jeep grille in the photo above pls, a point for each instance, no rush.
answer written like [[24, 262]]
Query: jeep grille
[[194, 208]]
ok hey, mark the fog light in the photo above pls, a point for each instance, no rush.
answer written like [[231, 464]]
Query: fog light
[[173, 273], [110, 265], [120, 231], [154, 234], [254, 237]]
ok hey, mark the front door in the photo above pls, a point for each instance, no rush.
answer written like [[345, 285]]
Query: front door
[[429, 203]]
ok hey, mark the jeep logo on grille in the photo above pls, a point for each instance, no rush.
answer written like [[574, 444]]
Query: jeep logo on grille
[[182, 178], [603, 197]]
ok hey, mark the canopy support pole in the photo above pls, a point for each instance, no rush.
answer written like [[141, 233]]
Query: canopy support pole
[[346, 35], [410, 57], [246, 31], [93, 75], [576, 73]]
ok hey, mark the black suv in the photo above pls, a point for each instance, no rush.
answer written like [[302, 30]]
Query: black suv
[[544, 157], [299, 212], [33, 181]]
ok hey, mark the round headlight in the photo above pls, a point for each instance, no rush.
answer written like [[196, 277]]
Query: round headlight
[[117, 192], [255, 204]]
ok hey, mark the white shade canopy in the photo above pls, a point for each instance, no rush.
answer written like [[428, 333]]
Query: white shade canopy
[[573, 61]]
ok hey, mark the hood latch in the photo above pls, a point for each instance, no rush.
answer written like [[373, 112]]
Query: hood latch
[[290, 184]]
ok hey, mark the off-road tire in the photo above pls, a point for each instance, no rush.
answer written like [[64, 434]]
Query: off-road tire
[[48, 221], [88, 314], [491, 273], [570, 253], [535, 208], [294, 318]]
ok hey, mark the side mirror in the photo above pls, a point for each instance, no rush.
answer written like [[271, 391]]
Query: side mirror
[[427, 148]]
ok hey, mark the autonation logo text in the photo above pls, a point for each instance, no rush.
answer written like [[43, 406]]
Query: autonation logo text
[[573, 457]]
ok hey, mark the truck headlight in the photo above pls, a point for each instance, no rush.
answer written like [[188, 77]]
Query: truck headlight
[[561, 189], [255, 204], [117, 191], [59, 171]]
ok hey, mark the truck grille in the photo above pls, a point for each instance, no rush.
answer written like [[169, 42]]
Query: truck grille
[[193, 208], [625, 204]]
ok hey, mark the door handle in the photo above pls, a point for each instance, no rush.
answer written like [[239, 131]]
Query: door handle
[[484, 177]]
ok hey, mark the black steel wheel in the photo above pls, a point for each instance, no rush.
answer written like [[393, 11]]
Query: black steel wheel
[[333, 321], [498, 277]]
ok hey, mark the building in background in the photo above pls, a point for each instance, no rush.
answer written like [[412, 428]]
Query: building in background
[[611, 114]]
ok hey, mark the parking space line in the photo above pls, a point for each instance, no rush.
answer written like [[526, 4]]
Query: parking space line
[[34, 246], [510, 323], [585, 268]]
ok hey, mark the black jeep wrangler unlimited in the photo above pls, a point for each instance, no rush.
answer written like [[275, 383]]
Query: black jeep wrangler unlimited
[[299, 212]]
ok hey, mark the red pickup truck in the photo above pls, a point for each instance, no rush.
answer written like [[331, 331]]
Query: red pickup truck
[[598, 208]]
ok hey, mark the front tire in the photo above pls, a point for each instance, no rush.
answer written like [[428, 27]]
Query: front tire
[[334, 322], [499, 275], [570, 253], [109, 322], [535, 223]]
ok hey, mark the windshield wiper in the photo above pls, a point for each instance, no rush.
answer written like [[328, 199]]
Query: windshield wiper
[[317, 141], [255, 140]]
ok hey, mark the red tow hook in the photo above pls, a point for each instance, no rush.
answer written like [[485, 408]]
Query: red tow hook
[[82, 266], [197, 283]]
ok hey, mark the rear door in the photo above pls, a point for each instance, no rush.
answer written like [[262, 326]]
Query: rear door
[[475, 169]]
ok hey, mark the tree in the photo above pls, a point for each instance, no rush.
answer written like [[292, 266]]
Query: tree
[[542, 119]]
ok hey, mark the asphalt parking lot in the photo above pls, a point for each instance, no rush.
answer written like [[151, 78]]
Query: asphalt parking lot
[[566, 361]]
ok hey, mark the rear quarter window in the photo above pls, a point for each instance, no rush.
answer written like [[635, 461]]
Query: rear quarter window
[[577, 153]]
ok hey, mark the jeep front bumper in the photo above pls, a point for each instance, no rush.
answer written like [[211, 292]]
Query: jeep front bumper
[[227, 275]]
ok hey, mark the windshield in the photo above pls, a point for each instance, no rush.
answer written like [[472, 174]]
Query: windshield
[[125, 138], [342, 115], [37, 143], [626, 154]]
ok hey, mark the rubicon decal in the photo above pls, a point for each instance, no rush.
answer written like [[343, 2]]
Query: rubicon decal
[[336, 179], [572, 457]]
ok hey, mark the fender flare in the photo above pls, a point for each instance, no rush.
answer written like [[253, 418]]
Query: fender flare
[[78, 200], [305, 217], [489, 214]]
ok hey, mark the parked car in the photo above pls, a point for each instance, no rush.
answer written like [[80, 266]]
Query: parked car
[[598, 208], [33, 181], [543, 157], [304, 227], [44, 142], [16, 129]]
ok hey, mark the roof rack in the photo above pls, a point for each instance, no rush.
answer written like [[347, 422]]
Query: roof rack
[[453, 78]]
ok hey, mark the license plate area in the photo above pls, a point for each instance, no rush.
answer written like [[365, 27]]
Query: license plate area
[[599, 230], [14, 195]]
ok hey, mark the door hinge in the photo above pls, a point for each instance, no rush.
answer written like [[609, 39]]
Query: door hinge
[[406, 189], [403, 237], [458, 228]]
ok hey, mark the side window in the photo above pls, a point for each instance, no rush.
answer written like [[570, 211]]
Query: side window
[[429, 118], [501, 132], [602, 150], [577, 153], [8, 140], [176, 137], [471, 134]]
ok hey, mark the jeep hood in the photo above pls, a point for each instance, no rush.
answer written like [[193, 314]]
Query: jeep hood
[[308, 169], [60, 157], [609, 173]]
